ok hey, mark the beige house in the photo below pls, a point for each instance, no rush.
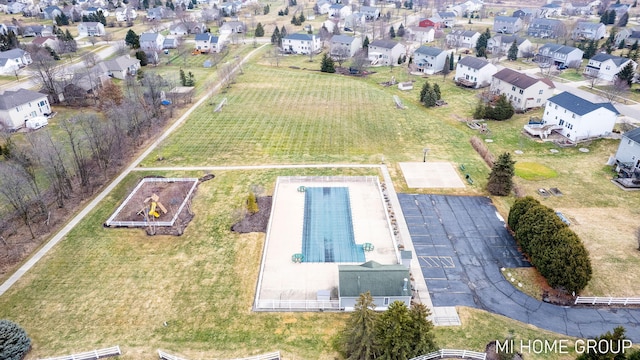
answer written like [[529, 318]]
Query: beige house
[[523, 91]]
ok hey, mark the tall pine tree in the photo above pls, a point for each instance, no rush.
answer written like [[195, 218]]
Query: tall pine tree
[[501, 176], [513, 51], [358, 339]]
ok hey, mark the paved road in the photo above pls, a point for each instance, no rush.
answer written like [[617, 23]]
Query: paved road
[[462, 245]]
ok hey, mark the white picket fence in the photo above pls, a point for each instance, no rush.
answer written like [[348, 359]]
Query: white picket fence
[[297, 305], [91, 355], [595, 300], [270, 356], [448, 353]]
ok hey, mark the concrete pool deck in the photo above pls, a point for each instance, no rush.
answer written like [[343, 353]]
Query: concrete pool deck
[[284, 280]]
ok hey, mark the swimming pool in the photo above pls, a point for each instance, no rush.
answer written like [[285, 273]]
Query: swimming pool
[[327, 234]]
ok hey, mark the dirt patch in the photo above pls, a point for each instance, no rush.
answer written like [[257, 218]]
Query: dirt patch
[[257, 222]]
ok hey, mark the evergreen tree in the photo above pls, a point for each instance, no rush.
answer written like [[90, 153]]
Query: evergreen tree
[[425, 89], [191, 80], [53, 53], [132, 39], [401, 31], [430, 98], [614, 352], [392, 32], [481, 44], [259, 30], [145, 4], [564, 261], [14, 341], [537, 226], [626, 74], [283, 33], [502, 110], [392, 330], [436, 91], [365, 43], [62, 19], [501, 176], [445, 68], [275, 37], [140, 55], [8, 41], [301, 18], [612, 17], [604, 18], [635, 3], [295, 21], [266, 9], [183, 78], [421, 330], [479, 111], [358, 339], [609, 44], [621, 45], [286, 11], [513, 51], [624, 19], [519, 208], [327, 65], [451, 67]]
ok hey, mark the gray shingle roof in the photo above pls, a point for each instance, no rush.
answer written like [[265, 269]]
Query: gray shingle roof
[[346, 39], [10, 99], [522, 81], [473, 62], [429, 51], [299, 36], [386, 44], [562, 49], [604, 57], [508, 19], [379, 280], [588, 25], [12, 54], [148, 37], [633, 135], [579, 105], [447, 14]]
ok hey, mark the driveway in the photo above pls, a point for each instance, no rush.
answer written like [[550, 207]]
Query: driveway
[[462, 243]]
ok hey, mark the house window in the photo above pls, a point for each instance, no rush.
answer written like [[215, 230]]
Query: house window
[[386, 301], [561, 122], [607, 68], [556, 107], [540, 92], [573, 116], [521, 91], [513, 88], [539, 100]]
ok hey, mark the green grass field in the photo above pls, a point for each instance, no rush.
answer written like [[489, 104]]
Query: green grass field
[[101, 287]]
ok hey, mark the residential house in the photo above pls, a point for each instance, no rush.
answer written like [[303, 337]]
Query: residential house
[[51, 12], [420, 34], [339, 11], [352, 22], [151, 41], [524, 92], [385, 52], [15, 7], [527, 14], [16, 107], [447, 18], [623, 34], [14, 59], [207, 43], [94, 10], [156, 13], [91, 29], [120, 67], [344, 46], [559, 55], [125, 14], [628, 154], [232, 27], [322, 6], [430, 60], [589, 31], [632, 38], [578, 119], [551, 10], [170, 42], [36, 30], [385, 283], [432, 22], [606, 66], [620, 9], [186, 28], [546, 28], [462, 38], [83, 85], [301, 43], [500, 44], [507, 24], [474, 72], [230, 8], [371, 13], [577, 8], [50, 41]]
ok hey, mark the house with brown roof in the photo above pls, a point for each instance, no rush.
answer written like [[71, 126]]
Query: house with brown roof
[[44, 41], [523, 91]]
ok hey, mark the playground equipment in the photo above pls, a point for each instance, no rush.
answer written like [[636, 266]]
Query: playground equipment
[[155, 205]]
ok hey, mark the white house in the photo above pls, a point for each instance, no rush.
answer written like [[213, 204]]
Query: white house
[[385, 52], [125, 14], [628, 154], [344, 46], [371, 13], [232, 27], [462, 38], [474, 72], [207, 43], [301, 43], [151, 41], [12, 60], [322, 6], [578, 119], [385, 283], [546, 28], [500, 44], [91, 29], [447, 18], [51, 12], [556, 54], [421, 34], [16, 107], [120, 67], [430, 60], [606, 66], [589, 31], [524, 92], [507, 24], [339, 11]]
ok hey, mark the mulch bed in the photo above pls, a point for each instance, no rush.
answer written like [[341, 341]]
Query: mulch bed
[[257, 222]]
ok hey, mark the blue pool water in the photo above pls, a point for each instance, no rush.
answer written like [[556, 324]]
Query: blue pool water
[[327, 234]]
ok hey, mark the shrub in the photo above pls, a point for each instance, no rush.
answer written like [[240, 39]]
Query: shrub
[[252, 203], [537, 225], [519, 208], [14, 342]]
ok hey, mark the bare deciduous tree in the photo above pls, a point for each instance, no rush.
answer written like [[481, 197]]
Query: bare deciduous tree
[[46, 72], [51, 157], [18, 194], [80, 159]]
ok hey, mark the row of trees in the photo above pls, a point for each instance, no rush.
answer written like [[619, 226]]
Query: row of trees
[[399, 333], [499, 108], [429, 95], [554, 249]]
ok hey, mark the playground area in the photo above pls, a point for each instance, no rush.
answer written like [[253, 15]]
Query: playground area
[[430, 175], [286, 280], [160, 205]]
